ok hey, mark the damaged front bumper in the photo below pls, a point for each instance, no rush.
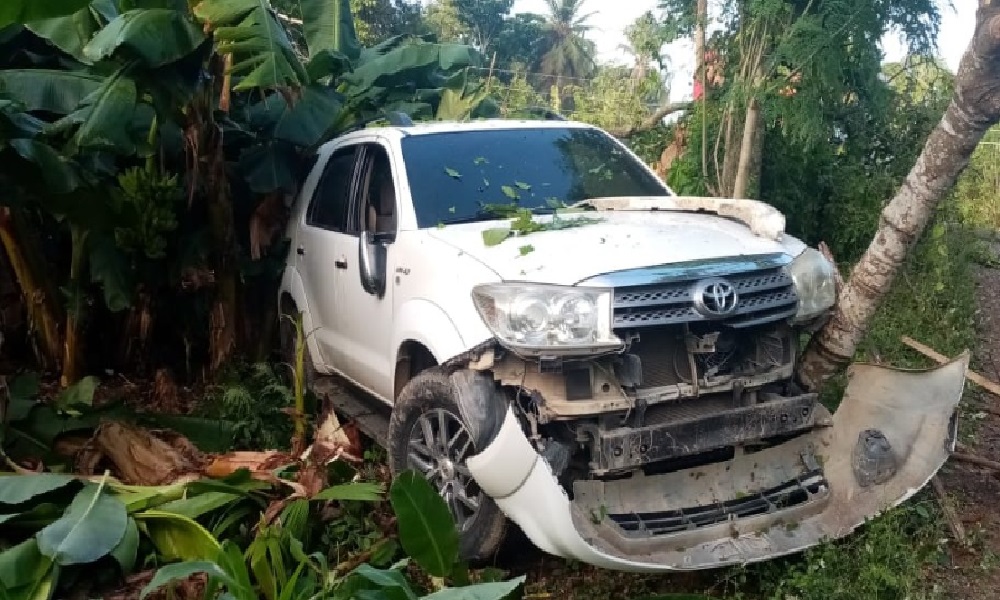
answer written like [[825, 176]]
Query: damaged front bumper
[[892, 432]]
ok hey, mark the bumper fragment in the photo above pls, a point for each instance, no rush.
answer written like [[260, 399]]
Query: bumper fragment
[[890, 435]]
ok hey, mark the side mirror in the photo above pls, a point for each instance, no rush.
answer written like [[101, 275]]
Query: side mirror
[[371, 261]]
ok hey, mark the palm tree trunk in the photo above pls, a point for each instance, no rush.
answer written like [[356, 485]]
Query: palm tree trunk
[[974, 108], [701, 23], [748, 150]]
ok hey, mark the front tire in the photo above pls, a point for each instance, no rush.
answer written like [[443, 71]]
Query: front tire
[[438, 421]]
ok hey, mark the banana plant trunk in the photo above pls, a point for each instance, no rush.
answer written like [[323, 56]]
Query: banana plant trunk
[[72, 366], [43, 313], [974, 108]]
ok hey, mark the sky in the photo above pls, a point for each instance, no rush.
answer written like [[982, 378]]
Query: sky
[[613, 16]]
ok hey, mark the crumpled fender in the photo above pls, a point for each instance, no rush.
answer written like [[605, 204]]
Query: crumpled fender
[[892, 432]]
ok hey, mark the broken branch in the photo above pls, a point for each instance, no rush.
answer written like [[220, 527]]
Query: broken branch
[[974, 377], [972, 459], [957, 529], [651, 122]]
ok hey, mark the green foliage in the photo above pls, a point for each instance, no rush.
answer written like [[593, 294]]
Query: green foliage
[[64, 527], [255, 398], [26, 11], [275, 565], [885, 560], [263, 53], [426, 530]]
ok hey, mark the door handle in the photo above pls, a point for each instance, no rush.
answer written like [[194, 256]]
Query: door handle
[[340, 263], [300, 251]]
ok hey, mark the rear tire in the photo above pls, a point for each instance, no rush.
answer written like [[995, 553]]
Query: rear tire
[[438, 421]]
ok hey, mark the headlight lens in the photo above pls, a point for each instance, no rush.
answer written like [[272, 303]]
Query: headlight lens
[[536, 318], [815, 284]]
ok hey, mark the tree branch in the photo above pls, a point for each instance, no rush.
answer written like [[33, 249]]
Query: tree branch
[[652, 121]]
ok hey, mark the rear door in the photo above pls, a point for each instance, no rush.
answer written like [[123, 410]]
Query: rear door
[[319, 249]]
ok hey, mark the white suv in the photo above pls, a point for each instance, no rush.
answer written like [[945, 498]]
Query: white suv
[[565, 344]]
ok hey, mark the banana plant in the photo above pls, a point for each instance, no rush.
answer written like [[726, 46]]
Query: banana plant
[[209, 89]]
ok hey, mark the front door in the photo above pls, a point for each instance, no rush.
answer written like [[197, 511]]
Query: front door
[[364, 326]]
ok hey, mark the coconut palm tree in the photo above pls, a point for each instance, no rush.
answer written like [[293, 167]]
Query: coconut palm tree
[[567, 53]]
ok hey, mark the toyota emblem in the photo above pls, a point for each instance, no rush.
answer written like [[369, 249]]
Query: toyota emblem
[[715, 298]]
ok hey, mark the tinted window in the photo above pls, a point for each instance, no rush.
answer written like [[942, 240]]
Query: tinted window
[[453, 175], [329, 204]]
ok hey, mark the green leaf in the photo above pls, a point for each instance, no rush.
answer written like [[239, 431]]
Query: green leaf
[[198, 505], [426, 528], [106, 120], [361, 491], [522, 185], [59, 92], [248, 30], [409, 63], [452, 173], [390, 581], [109, 266], [15, 489], [91, 527], [510, 192], [22, 392], [327, 63], [154, 36], [181, 571], [60, 176], [127, 550], [328, 25], [484, 591], [80, 393], [177, 537], [8, 517], [25, 11], [526, 249], [268, 167], [69, 33], [23, 564], [496, 235], [305, 123]]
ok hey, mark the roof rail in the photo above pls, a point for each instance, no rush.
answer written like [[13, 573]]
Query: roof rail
[[399, 119], [394, 118]]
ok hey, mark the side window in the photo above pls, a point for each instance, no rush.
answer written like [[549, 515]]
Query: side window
[[379, 192], [328, 208]]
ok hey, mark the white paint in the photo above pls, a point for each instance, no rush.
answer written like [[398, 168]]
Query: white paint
[[431, 272]]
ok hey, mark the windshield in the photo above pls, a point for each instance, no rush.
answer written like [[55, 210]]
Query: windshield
[[473, 175]]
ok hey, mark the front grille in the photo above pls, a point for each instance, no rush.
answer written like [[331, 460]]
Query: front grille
[[792, 493], [764, 296]]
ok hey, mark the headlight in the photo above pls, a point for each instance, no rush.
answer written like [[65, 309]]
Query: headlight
[[536, 319], [815, 284]]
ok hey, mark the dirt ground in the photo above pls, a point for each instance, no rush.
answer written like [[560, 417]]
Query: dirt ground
[[973, 573]]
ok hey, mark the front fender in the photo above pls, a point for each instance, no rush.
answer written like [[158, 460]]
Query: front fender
[[427, 323], [291, 284]]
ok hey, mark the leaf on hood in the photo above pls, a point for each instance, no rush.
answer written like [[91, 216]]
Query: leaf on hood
[[495, 236]]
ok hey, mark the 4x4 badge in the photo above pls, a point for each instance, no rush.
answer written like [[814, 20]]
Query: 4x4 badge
[[715, 298]]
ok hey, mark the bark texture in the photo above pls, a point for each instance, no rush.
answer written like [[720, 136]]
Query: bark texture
[[43, 313], [974, 108]]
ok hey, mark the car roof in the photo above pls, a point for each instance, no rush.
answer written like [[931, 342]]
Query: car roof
[[437, 127]]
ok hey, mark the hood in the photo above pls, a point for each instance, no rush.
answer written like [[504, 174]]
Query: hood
[[616, 242]]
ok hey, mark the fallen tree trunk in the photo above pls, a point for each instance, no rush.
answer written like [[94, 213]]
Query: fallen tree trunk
[[974, 108]]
